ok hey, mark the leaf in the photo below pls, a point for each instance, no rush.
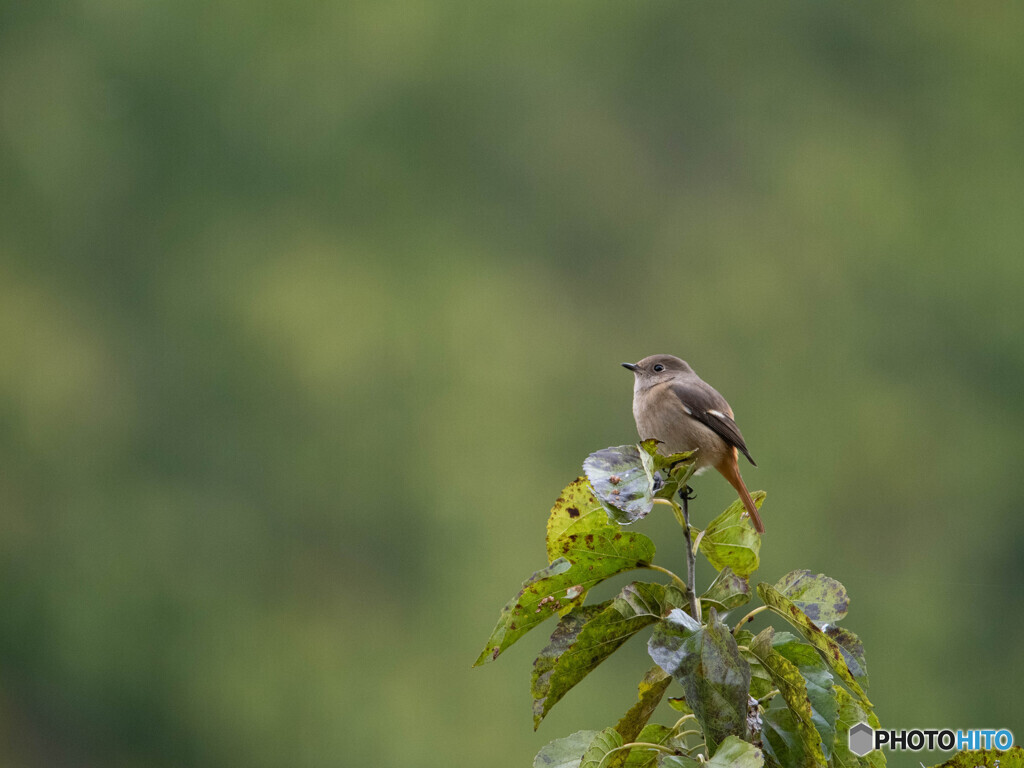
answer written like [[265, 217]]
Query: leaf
[[828, 648], [566, 752], [638, 605], [790, 683], [603, 743], [853, 652], [707, 663], [781, 740], [991, 758], [733, 753], [851, 713], [736, 753], [623, 478], [726, 592], [731, 541], [677, 761], [587, 559], [819, 685], [760, 681], [661, 461], [678, 703], [565, 634], [638, 757], [576, 511], [649, 693], [670, 472], [678, 475], [822, 598], [650, 447]]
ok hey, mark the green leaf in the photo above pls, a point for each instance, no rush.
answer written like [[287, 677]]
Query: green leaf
[[566, 752], [649, 693], [603, 743], [638, 757], [853, 652], [851, 713], [731, 541], [707, 663], [791, 685], [638, 605], [656, 734], [760, 681], [661, 461], [821, 598], [565, 635], [733, 753], [726, 592], [587, 559], [780, 738], [623, 478], [991, 758], [671, 471], [819, 685], [677, 761], [828, 648], [576, 511], [678, 703], [650, 447], [736, 753]]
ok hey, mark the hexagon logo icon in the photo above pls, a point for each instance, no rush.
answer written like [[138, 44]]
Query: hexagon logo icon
[[862, 739]]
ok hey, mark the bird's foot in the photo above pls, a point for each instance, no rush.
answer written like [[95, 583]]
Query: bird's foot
[[687, 494]]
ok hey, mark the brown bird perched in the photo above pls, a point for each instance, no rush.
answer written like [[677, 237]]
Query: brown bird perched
[[673, 404]]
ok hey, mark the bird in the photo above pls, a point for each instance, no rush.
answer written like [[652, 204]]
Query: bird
[[674, 405]]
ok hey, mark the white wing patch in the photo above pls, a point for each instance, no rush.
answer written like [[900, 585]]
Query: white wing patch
[[719, 414]]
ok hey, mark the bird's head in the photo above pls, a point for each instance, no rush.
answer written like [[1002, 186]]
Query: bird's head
[[657, 368]]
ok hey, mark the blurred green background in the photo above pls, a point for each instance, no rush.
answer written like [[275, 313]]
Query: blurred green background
[[308, 310]]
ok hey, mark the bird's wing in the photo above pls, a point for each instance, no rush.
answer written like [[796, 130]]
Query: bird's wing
[[709, 408]]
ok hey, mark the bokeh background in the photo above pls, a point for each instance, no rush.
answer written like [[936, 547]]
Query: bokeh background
[[308, 310]]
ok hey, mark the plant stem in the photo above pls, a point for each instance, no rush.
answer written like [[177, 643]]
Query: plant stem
[[684, 734], [679, 582], [691, 557], [683, 719], [748, 617], [632, 744], [768, 697], [683, 518]]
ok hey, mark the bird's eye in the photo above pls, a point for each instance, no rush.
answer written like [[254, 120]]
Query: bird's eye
[[659, 368]]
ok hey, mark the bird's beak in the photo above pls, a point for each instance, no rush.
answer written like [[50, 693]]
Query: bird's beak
[[630, 366]]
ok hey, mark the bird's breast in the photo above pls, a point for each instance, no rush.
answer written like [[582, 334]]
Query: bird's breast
[[659, 414]]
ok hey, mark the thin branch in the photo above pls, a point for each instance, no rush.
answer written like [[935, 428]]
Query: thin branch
[[632, 744], [683, 719], [679, 582], [747, 618], [691, 558], [684, 734], [768, 697]]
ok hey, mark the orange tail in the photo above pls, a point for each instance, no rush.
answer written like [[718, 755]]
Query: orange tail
[[730, 471]]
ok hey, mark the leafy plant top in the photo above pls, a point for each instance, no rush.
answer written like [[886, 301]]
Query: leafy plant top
[[776, 699]]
